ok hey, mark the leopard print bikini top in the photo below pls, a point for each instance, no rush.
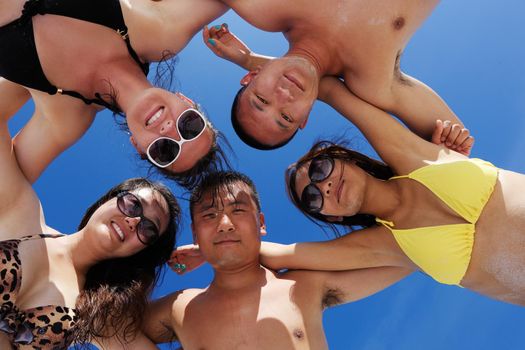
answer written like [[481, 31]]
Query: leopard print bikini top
[[48, 327]]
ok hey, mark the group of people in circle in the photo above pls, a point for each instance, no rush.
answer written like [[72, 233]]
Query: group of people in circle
[[425, 206]]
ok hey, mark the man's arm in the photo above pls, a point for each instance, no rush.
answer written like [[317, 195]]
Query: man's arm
[[348, 286], [158, 320]]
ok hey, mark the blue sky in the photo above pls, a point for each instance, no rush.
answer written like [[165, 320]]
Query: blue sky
[[470, 52]]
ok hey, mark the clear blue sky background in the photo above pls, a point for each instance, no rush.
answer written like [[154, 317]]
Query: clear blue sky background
[[471, 52]]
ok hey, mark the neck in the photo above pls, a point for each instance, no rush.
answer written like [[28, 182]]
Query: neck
[[79, 252], [382, 198], [124, 79], [317, 54], [249, 276]]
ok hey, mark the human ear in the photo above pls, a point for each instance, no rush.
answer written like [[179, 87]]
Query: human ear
[[195, 240], [247, 79], [262, 230]]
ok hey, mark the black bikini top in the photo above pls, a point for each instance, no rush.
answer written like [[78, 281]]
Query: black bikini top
[[19, 60]]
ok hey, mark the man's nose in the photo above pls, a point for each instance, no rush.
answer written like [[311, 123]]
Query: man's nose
[[226, 225], [283, 94]]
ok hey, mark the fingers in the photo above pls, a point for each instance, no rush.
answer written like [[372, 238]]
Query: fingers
[[436, 135], [466, 146], [446, 130]]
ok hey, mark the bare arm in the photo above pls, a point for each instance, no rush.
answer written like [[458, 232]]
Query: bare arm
[[12, 98], [396, 145], [349, 286], [228, 46], [372, 247], [158, 322], [418, 106], [58, 122]]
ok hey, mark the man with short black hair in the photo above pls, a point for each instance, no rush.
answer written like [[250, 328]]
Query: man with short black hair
[[360, 42], [247, 306]]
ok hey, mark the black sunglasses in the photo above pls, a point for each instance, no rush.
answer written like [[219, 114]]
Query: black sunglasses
[[164, 151], [320, 169], [130, 205]]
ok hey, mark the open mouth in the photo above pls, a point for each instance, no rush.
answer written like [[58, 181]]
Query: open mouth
[[295, 81], [155, 116], [118, 230]]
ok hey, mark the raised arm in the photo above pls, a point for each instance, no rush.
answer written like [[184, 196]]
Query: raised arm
[[58, 122], [20, 212], [418, 106], [228, 46], [400, 148]]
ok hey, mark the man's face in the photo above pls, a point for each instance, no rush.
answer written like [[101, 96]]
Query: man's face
[[228, 228], [277, 99]]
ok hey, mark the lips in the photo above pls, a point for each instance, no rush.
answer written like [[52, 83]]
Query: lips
[[295, 81], [118, 231], [155, 117], [227, 241]]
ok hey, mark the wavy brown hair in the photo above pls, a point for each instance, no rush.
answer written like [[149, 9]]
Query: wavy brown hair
[[115, 293], [339, 151]]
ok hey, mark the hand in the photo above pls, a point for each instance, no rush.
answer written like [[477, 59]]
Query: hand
[[226, 45], [453, 136], [186, 258]]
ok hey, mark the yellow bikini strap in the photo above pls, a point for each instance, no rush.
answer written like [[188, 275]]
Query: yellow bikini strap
[[388, 224], [399, 177]]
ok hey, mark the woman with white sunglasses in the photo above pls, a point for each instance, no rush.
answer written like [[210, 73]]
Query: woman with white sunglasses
[[74, 59]]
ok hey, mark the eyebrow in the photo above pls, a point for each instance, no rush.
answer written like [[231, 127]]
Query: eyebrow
[[255, 105], [212, 205]]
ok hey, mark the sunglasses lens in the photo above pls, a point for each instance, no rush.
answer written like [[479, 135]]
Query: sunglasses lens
[[147, 231], [312, 198], [129, 205], [163, 151], [320, 169], [191, 124]]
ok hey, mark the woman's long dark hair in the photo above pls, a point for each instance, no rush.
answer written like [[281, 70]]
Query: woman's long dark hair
[[336, 151], [115, 293]]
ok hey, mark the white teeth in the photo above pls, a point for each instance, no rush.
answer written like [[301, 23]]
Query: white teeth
[[154, 117], [118, 230]]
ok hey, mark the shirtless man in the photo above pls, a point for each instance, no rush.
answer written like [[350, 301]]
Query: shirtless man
[[247, 306], [360, 42]]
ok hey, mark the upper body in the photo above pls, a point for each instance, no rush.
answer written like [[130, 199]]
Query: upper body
[[365, 46], [54, 272], [75, 61], [408, 203], [247, 306]]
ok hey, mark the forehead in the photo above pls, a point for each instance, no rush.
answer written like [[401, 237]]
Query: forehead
[[237, 192], [264, 126]]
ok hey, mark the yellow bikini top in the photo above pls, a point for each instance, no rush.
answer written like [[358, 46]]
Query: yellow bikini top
[[444, 251]]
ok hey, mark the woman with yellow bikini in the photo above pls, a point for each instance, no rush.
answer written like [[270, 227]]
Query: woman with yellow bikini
[[459, 220]]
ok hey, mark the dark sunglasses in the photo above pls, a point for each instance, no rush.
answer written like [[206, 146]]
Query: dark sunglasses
[[164, 151], [130, 205], [320, 169]]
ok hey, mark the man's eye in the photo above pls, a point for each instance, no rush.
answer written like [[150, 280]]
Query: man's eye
[[238, 210], [261, 99], [210, 216], [287, 118]]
